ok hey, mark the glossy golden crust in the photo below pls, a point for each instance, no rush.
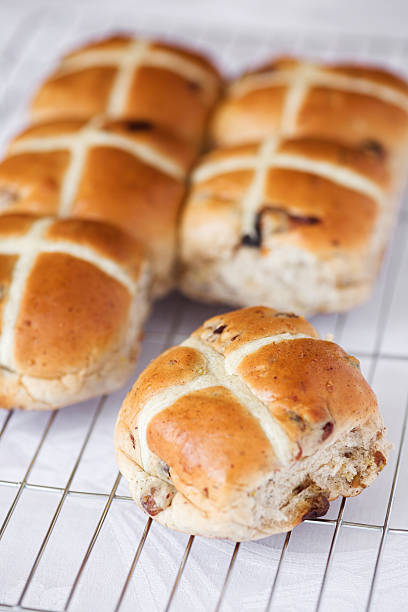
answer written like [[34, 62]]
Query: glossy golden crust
[[377, 75], [136, 198], [15, 226], [121, 41], [185, 111], [311, 388], [352, 104], [252, 399], [176, 366], [131, 175], [352, 118], [82, 86], [71, 314], [74, 94], [248, 118], [233, 451], [74, 295], [102, 239], [363, 160], [30, 182], [153, 135], [342, 218]]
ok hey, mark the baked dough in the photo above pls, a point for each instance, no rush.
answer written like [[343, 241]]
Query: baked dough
[[295, 224], [353, 104], [248, 427], [124, 77], [73, 297], [128, 173]]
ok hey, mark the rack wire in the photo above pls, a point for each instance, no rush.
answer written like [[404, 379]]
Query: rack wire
[[70, 536]]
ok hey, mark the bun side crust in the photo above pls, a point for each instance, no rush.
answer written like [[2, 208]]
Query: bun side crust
[[344, 469]]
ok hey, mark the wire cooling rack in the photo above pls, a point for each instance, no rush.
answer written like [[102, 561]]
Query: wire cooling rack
[[70, 536]]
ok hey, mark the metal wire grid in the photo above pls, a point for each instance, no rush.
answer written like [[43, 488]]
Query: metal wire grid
[[383, 349]]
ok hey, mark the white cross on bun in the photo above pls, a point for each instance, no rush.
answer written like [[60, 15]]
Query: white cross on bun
[[250, 426], [73, 297]]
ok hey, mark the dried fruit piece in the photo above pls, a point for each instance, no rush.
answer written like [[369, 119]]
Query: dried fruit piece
[[318, 507], [379, 459], [149, 503], [375, 148], [327, 430], [7, 197], [139, 126]]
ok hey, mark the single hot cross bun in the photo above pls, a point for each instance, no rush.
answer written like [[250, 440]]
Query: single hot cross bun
[[248, 427], [296, 224], [353, 104], [124, 78], [73, 297]]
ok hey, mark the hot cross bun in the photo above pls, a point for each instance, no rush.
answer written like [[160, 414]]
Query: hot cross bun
[[298, 224], [349, 103], [73, 297], [250, 426], [124, 77]]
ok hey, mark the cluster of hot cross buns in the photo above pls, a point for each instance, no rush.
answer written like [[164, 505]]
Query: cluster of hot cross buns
[[90, 196], [253, 423]]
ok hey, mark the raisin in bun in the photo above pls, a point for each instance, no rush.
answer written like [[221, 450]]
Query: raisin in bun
[[248, 427]]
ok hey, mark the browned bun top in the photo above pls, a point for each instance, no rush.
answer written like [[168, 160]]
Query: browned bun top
[[353, 104], [120, 41], [227, 332], [377, 74], [170, 85], [102, 238], [363, 160], [373, 73]]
